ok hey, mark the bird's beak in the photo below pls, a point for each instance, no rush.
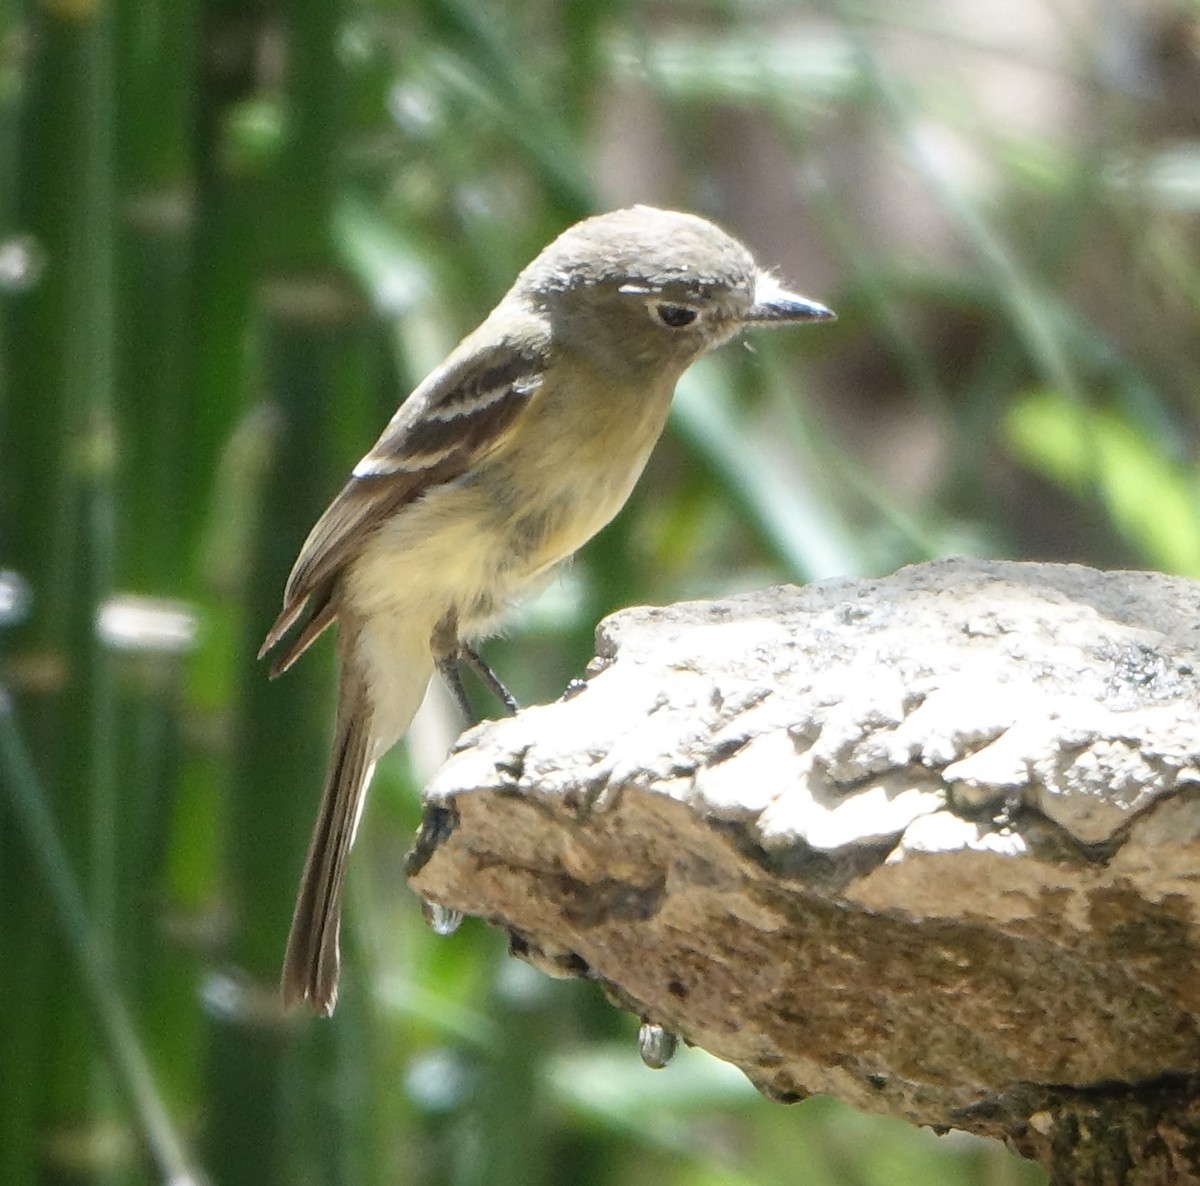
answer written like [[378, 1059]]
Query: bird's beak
[[774, 304]]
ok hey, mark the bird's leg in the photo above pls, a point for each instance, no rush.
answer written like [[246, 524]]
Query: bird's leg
[[451, 654], [447, 651], [490, 679], [449, 668]]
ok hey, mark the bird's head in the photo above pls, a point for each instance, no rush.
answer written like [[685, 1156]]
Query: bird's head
[[646, 287]]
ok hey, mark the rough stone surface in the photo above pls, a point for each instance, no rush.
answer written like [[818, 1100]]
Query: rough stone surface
[[929, 844]]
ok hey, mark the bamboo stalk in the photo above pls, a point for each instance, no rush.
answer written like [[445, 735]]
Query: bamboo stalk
[[310, 352], [38, 833], [61, 522]]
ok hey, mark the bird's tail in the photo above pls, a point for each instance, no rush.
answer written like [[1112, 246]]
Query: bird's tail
[[310, 965]]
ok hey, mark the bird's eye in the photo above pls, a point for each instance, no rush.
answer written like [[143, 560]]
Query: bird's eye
[[676, 316]]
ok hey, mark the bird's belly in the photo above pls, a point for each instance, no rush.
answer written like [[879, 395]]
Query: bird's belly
[[436, 557], [477, 545]]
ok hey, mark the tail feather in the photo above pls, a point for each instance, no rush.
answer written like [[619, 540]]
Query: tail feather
[[321, 612], [383, 676], [315, 627], [312, 959]]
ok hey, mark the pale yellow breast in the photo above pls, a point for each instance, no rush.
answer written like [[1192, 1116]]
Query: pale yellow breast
[[477, 544]]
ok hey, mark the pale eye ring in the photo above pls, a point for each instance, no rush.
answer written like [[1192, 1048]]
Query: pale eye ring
[[676, 316]]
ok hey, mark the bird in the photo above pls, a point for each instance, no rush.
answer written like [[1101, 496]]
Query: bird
[[508, 457]]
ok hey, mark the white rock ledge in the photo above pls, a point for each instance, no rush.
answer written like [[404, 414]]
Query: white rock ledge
[[929, 844]]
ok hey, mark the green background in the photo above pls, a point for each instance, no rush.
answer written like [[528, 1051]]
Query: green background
[[234, 234]]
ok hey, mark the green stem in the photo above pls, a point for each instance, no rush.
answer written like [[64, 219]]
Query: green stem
[[47, 856]]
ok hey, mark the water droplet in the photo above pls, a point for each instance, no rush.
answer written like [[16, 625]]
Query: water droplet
[[443, 920], [22, 262], [656, 1045]]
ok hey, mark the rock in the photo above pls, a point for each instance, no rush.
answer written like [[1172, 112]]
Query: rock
[[929, 844]]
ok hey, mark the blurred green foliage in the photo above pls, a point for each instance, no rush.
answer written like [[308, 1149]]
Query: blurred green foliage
[[233, 235]]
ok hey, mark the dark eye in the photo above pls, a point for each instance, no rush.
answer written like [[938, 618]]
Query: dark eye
[[676, 316]]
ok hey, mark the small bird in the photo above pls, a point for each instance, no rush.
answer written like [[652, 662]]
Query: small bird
[[513, 453]]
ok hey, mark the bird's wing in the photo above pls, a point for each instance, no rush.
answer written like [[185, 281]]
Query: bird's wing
[[458, 415]]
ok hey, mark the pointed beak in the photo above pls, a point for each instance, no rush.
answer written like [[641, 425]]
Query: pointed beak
[[776, 305]]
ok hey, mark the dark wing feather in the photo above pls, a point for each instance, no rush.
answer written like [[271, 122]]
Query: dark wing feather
[[459, 414]]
